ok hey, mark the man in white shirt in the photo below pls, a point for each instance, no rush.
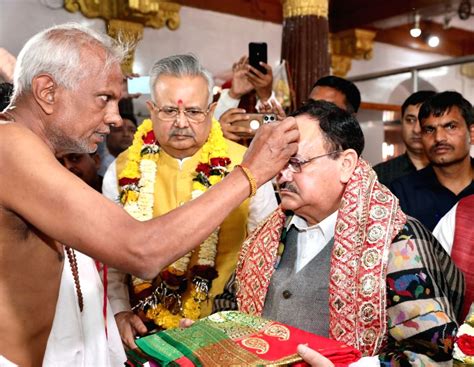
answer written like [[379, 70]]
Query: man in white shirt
[[353, 267]]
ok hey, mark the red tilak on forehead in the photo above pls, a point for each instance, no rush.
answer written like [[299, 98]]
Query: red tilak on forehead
[[180, 102]]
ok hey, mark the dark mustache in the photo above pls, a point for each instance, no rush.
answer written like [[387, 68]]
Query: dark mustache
[[289, 187], [181, 132], [441, 145]]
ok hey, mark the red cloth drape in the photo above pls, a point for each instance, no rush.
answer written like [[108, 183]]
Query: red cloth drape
[[463, 248]]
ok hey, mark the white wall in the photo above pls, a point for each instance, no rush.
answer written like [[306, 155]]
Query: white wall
[[389, 57], [396, 88], [21, 19], [217, 39]]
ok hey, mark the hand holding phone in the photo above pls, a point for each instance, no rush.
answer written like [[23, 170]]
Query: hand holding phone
[[255, 120], [257, 54], [260, 73], [231, 121]]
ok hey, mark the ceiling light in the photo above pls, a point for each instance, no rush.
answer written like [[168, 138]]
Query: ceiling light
[[415, 31], [433, 41]]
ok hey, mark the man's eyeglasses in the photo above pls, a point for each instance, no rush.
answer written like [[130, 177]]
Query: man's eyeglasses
[[168, 113], [295, 164]]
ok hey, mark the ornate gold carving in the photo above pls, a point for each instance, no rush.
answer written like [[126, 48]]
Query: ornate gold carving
[[468, 70], [340, 65], [92, 9], [347, 45], [296, 8], [152, 13], [356, 43], [127, 18], [130, 33]]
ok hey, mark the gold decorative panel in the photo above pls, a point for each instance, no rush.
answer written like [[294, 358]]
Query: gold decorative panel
[[150, 13], [347, 45], [127, 18], [340, 65], [468, 70], [296, 8], [129, 32]]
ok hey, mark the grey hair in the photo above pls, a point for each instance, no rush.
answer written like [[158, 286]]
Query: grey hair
[[57, 51], [180, 66]]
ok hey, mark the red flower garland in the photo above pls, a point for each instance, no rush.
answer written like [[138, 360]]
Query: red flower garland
[[220, 161], [466, 344]]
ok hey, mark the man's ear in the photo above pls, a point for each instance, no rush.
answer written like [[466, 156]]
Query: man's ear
[[212, 107], [44, 91], [471, 132], [150, 106], [348, 163]]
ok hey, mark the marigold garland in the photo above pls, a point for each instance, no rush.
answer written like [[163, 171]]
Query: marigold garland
[[137, 182]]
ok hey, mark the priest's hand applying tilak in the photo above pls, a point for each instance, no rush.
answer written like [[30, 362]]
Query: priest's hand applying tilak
[[271, 148]]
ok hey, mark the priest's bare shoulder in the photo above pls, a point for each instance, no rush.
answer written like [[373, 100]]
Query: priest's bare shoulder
[[64, 106]]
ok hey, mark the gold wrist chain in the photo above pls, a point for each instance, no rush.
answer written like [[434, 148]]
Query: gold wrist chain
[[251, 179]]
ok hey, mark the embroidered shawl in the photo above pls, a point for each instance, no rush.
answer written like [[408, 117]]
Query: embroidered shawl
[[369, 219]]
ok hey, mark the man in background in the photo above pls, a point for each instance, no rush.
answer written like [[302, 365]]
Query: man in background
[[119, 139], [6, 90], [414, 157], [447, 131], [342, 92], [85, 166]]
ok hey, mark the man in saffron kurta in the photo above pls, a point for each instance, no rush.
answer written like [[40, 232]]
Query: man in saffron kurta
[[354, 267], [183, 142]]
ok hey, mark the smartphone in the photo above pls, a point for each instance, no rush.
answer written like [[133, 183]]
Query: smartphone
[[257, 54], [256, 120], [140, 84]]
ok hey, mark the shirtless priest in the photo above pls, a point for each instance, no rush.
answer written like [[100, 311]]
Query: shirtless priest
[[67, 84]]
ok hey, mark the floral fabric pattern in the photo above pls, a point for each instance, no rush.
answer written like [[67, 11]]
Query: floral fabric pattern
[[424, 294]]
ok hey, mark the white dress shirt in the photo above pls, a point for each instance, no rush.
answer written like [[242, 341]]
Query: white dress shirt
[[311, 240], [444, 230]]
